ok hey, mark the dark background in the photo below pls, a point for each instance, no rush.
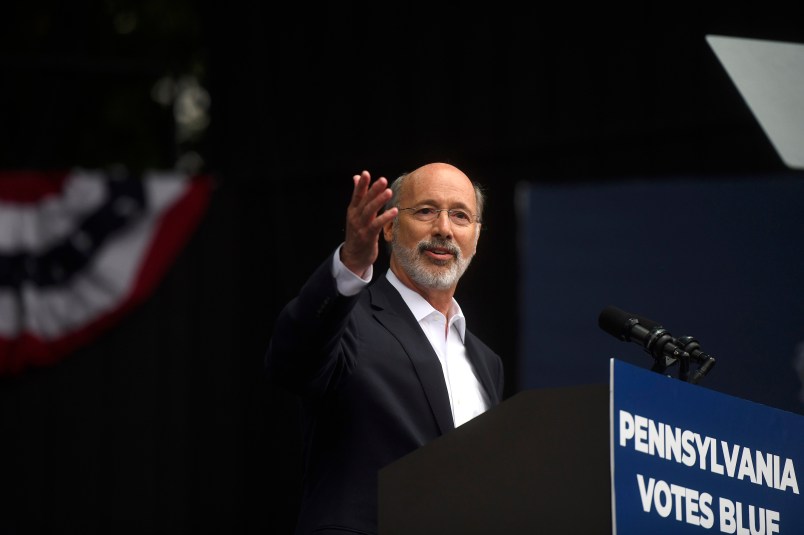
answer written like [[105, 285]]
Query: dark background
[[165, 424]]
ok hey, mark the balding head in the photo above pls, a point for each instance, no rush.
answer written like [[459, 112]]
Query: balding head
[[430, 171]]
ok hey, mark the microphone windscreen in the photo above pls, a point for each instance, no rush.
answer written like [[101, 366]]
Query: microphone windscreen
[[615, 321]]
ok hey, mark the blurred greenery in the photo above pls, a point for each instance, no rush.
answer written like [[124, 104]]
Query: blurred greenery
[[78, 82]]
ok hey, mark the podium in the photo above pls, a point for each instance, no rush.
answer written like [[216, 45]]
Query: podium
[[477, 478], [644, 454]]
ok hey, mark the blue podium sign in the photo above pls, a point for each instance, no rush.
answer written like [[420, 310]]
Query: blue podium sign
[[686, 459]]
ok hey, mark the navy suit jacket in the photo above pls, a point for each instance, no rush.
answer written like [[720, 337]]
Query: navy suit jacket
[[372, 390]]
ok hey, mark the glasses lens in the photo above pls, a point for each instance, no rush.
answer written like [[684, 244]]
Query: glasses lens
[[459, 217], [426, 213]]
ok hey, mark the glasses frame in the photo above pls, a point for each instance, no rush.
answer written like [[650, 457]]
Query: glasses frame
[[472, 217]]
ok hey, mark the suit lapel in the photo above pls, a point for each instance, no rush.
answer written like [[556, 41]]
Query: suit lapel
[[392, 312], [474, 352]]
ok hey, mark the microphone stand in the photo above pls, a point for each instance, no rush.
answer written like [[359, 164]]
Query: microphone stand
[[687, 350], [705, 362], [665, 355]]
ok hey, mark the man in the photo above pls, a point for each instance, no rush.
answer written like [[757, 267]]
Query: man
[[384, 368]]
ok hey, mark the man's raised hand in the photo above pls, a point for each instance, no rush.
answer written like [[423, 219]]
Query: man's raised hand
[[363, 224]]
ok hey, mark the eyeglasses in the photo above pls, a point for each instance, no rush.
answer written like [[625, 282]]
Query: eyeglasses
[[457, 216]]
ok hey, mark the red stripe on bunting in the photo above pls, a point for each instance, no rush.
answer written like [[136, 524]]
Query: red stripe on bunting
[[30, 186], [171, 233]]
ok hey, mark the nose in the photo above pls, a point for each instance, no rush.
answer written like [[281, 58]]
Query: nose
[[442, 225]]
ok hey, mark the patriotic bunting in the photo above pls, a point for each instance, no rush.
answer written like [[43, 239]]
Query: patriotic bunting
[[79, 249]]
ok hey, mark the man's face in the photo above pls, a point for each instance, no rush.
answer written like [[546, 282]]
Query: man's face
[[433, 254]]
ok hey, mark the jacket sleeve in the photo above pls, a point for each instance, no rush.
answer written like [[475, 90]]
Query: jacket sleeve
[[305, 353]]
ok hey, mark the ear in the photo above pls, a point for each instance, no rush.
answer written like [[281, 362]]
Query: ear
[[388, 231]]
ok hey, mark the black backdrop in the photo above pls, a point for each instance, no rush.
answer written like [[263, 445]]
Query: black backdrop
[[165, 424]]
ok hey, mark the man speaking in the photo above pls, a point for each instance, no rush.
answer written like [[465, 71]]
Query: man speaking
[[384, 365]]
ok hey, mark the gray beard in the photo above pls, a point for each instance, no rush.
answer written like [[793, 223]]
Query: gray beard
[[420, 269]]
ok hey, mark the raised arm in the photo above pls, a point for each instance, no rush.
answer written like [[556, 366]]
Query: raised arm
[[304, 349]]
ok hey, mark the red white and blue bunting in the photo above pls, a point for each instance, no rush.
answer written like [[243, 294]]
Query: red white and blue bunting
[[79, 249]]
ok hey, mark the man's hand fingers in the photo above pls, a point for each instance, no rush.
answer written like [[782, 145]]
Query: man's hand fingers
[[376, 199], [361, 187], [385, 217], [368, 201], [363, 224]]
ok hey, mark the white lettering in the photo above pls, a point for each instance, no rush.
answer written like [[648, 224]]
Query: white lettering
[[678, 492], [626, 427], [686, 502], [661, 497], [765, 469], [691, 507], [760, 521], [655, 438], [646, 493], [703, 448], [692, 449], [727, 522], [641, 434], [788, 477], [714, 466], [687, 439], [707, 516], [672, 444], [773, 521], [747, 467], [730, 458]]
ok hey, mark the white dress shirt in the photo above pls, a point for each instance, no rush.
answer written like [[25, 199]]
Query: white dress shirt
[[466, 395]]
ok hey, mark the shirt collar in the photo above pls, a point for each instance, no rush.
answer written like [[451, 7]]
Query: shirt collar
[[420, 308]]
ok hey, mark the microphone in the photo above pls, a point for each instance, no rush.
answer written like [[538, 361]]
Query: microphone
[[659, 343], [689, 345], [654, 338]]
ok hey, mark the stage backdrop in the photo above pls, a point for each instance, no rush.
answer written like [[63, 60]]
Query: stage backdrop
[[719, 259]]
